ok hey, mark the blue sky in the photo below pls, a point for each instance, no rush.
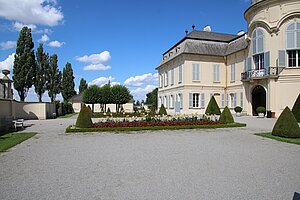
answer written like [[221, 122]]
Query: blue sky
[[118, 40]]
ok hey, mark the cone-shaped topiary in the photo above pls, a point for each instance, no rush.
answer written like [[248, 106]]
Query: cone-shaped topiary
[[162, 110], [108, 110], [286, 125], [226, 116], [91, 112], [84, 118], [212, 108], [296, 109]]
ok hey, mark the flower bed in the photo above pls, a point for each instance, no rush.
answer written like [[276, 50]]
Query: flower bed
[[104, 115]]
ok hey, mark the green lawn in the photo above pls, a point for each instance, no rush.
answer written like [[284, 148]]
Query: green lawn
[[153, 128], [12, 139], [68, 115], [281, 139]]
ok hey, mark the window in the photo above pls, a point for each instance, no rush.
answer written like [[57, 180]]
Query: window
[[172, 76], [165, 101], [194, 100], [202, 100], [196, 72], [257, 41], [293, 58], [171, 101], [232, 72], [233, 100], [166, 79], [181, 100], [223, 100], [258, 61], [242, 100], [160, 101], [180, 74], [216, 73], [293, 36], [160, 80]]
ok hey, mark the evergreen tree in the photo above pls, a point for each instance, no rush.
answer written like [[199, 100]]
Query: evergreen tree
[[226, 116], [42, 64], [24, 64], [83, 85], [152, 98], [212, 108], [53, 77], [68, 82], [296, 109], [120, 95], [91, 95]]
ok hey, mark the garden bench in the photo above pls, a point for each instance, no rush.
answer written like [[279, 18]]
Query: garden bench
[[18, 123]]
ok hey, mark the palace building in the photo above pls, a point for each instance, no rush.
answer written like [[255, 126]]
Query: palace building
[[257, 68]]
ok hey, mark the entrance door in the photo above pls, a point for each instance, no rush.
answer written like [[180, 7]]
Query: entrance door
[[258, 98]]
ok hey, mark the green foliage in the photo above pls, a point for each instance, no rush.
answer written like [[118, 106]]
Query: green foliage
[[24, 63], [212, 108], [42, 64], [286, 125], [151, 98], [162, 110], [108, 110], [12, 139], [53, 77], [67, 108], [84, 118], [120, 95], [83, 85], [238, 109], [91, 112], [105, 92], [68, 84], [226, 116], [261, 109], [91, 95], [296, 109], [281, 139]]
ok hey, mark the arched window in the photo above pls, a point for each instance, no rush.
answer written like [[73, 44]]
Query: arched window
[[258, 48], [293, 44]]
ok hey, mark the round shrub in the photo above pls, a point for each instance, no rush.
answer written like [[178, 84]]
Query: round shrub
[[226, 116], [162, 110], [260, 109], [84, 118], [212, 108], [296, 109], [238, 109], [286, 125]]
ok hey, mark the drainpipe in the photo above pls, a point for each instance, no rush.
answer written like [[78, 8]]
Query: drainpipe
[[226, 85]]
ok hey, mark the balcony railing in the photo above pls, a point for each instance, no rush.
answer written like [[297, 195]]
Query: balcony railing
[[261, 73]]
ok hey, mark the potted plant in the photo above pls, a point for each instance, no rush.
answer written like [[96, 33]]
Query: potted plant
[[238, 110], [261, 111]]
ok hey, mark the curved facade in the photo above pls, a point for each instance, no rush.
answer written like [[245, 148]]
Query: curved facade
[[232, 67]]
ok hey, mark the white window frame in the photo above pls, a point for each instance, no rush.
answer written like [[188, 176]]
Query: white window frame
[[255, 41], [296, 35], [196, 71]]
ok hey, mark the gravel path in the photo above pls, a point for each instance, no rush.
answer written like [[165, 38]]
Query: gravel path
[[184, 164]]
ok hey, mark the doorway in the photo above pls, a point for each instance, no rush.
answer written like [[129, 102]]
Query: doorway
[[258, 98]]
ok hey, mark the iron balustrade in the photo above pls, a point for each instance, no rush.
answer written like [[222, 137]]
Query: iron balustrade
[[261, 73]]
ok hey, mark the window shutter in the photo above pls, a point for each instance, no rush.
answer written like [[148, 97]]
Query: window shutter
[[227, 100], [242, 100], [245, 65], [260, 44], [232, 72], [281, 58], [223, 101], [190, 100], [298, 39], [254, 47], [249, 64], [198, 72], [234, 104], [173, 103], [267, 61], [290, 40], [194, 72], [181, 100], [167, 103], [202, 100]]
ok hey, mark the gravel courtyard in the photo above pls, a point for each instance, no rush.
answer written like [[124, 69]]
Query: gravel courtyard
[[184, 164]]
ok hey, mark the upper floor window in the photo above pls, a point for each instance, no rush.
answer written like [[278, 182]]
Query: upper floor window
[[216, 73], [180, 74], [259, 61], [196, 72], [232, 72], [172, 76], [160, 80], [293, 44], [166, 79], [257, 41]]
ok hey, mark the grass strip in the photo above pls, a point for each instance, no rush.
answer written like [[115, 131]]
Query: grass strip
[[12, 139], [154, 128], [67, 115], [281, 139]]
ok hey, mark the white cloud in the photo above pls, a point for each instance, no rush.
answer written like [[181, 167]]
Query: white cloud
[[102, 80], [8, 45], [56, 44], [140, 80], [42, 12], [32, 96], [102, 57], [99, 67], [8, 63], [18, 26], [140, 93], [44, 38]]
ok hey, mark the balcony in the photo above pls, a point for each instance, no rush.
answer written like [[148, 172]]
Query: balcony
[[261, 73]]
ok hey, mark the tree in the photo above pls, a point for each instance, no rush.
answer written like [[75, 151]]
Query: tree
[[68, 82], [152, 98], [120, 95], [24, 64], [83, 85], [212, 108], [226, 116], [84, 118], [42, 64], [53, 77], [106, 95], [286, 125], [162, 110], [91, 95], [296, 109]]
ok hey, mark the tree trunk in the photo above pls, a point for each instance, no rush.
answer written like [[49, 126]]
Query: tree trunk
[[40, 98], [22, 96], [116, 108], [92, 107]]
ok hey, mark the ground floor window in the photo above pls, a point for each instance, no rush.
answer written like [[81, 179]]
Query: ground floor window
[[258, 61], [196, 100], [293, 58]]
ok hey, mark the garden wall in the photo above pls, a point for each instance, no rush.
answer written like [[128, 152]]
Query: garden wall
[[128, 107]]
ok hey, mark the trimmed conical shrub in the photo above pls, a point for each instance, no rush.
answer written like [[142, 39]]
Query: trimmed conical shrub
[[296, 109], [91, 112], [108, 110], [162, 110], [212, 108], [226, 116], [84, 118], [286, 125]]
